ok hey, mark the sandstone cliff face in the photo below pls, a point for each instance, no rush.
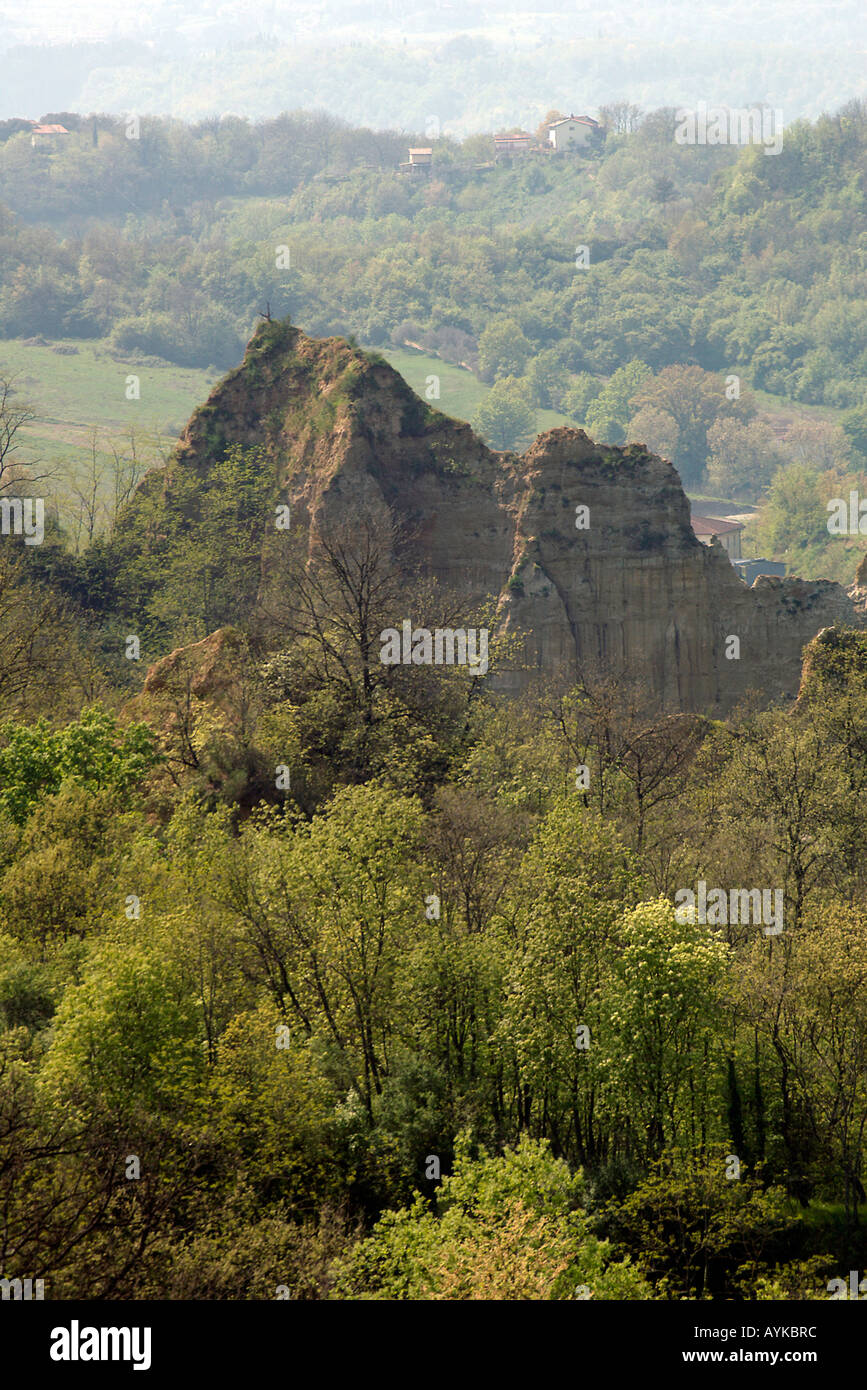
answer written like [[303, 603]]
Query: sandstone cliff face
[[630, 592], [636, 592]]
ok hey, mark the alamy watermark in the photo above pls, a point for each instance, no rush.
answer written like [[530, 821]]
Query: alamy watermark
[[739, 906], [21, 1290], [848, 521], [23, 516], [856, 1287], [730, 125], [445, 646], [77, 1343]]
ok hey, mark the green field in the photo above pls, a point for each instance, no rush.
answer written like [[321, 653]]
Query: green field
[[460, 391], [73, 393]]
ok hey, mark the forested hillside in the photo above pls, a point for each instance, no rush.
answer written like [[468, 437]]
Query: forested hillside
[[582, 286], [328, 978], [713, 255], [439, 1031]]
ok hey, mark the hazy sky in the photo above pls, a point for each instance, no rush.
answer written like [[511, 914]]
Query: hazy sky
[[395, 62]]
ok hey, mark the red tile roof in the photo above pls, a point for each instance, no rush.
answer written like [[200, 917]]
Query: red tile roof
[[581, 120]]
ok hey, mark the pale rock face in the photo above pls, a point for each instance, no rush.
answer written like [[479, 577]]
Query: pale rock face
[[633, 593]]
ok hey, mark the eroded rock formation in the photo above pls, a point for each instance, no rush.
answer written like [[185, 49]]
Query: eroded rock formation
[[632, 591]]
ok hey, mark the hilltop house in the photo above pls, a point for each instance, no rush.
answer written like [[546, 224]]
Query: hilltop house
[[513, 144], [727, 532], [40, 134], [419, 162], [572, 132]]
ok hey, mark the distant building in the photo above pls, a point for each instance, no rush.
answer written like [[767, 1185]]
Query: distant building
[[572, 132], [419, 161], [728, 533], [513, 144], [749, 570], [42, 133]]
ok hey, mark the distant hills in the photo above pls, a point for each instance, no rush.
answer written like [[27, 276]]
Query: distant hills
[[471, 67]]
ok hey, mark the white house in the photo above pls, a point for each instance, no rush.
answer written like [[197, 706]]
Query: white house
[[572, 132]]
